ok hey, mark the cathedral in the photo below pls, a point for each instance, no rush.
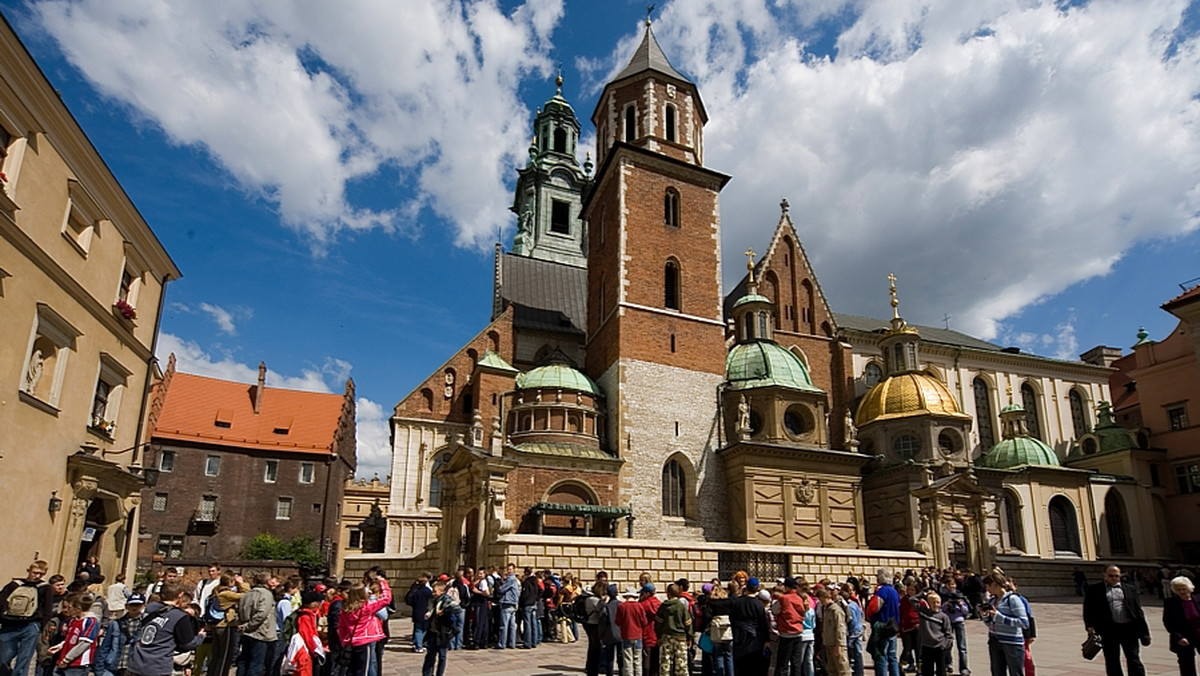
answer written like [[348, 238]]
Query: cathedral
[[619, 401]]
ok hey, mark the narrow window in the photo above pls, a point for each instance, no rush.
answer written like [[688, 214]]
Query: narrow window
[[560, 140], [1078, 413], [983, 414], [670, 123], [673, 343], [671, 285], [166, 461], [271, 472], [212, 465], [672, 489], [160, 502], [671, 208], [208, 509], [355, 539], [630, 124], [560, 217], [1030, 403], [1177, 417], [307, 469]]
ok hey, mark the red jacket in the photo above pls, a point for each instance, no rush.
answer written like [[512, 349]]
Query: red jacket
[[909, 619], [631, 620], [649, 606], [790, 618]]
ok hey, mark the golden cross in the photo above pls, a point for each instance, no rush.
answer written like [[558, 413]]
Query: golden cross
[[750, 254], [895, 301]]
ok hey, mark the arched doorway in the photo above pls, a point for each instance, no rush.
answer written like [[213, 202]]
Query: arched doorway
[[1117, 521], [1064, 527], [959, 545], [94, 527], [1014, 526]]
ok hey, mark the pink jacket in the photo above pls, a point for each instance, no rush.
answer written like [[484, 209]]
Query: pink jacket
[[361, 626]]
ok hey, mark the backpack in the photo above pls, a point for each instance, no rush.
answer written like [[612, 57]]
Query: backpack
[[445, 625], [22, 603], [291, 625], [213, 612], [720, 630], [579, 608], [610, 633]]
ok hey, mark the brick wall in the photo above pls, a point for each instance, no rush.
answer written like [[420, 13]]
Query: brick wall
[[528, 486]]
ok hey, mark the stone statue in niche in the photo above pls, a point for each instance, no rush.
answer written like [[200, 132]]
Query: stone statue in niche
[[524, 237], [851, 430], [743, 424], [33, 375]]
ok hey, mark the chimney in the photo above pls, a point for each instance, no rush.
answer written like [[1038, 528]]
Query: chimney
[[262, 382], [1101, 355]]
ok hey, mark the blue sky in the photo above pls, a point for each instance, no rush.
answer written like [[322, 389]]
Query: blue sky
[[330, 177]]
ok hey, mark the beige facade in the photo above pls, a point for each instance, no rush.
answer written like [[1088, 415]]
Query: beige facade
[[362, 500], [81, 286]]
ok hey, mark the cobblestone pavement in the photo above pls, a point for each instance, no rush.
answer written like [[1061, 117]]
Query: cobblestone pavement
[[1055, 652]]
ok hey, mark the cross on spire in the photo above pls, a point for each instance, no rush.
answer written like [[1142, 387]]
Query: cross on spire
[[783, 204], [649, 10], [750, 267], [895, 301]]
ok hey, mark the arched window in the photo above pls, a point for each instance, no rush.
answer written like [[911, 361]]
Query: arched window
[[897, 358], [435, 484], [671, 207], [560, 140], [1118, 523], [670, 118], [1064, 528], [983, 414], [630, 124], [427, 400], [674, 500], [671, 285], [1012, 517], [1030, 402], [1078, 413]]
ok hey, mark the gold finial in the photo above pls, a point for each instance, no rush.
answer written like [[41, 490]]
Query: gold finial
[[895, 301], [750, 264], [649, 9], [558, 80]]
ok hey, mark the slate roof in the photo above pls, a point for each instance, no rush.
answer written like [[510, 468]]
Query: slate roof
[[546, 296], [928, 333], [649, 56], [195, 404]]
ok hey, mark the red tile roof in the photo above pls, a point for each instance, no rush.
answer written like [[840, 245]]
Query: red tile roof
[[1190, 294], [287, 421], [1119, 383]]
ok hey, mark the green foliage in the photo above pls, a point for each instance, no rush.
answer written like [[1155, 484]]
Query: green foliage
[[303, 550]]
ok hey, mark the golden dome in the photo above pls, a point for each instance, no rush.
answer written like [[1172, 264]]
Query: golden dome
[[905, 395]]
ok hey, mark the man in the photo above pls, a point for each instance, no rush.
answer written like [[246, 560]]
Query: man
[[1007, 622], [169, 576], [25, 605], [672, 626], [631, 619], [883, 613], [834, 633], [256, 622], [205, 587], [531, 594], [751, 631], [508, 593], [1112, 609], [650, 605], [122, 633], [789, 610], [417, 598], [166, 630], [443, 627]]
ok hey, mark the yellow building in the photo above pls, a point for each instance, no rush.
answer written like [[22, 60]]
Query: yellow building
[[81, 287], [363, 518]]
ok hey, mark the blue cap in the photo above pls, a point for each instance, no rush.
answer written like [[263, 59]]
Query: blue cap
[[752, 583], [135, 600], [648, 588]]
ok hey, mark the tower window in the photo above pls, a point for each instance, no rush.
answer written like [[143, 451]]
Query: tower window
[[630, 124], [560, 140], [671, 207], [1030, 402], [560, 217], [1078, 413], [671, 285], [670, 117], [983, 414], [673, 482]]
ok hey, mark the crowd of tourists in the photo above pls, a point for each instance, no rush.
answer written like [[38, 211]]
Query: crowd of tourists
[[261, 626]]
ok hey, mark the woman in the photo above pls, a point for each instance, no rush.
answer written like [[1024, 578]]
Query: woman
[[225, 634], [720, 630], [1181, 617], [359, 627], [481, 613]]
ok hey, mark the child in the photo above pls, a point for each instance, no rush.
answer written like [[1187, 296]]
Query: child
[[936, 635], [957, 609], [75, 656]]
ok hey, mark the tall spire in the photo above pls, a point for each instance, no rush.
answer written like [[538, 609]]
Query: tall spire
[[649, 56]]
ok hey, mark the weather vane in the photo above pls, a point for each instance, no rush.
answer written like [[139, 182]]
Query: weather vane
[[649, 11]]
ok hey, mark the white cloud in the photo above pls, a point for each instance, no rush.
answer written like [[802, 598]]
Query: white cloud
[[221, 316], [1005, 145], [371, 420], [297, 100], [1061, 343]]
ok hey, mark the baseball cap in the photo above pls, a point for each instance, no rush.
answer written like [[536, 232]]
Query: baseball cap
[[136, 600], [630, 593], [648, 588], [790, 583], [444, 577], [752, 583]]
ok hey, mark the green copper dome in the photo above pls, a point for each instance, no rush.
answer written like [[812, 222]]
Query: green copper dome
[[556, 376], [1019, 451], [765, 364], [751, 298]]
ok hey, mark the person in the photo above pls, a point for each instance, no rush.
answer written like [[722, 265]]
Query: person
[[751, 631], [650, 605], [531, 594], [481, 593], [630, 620], [89, 567], [593, 604], [1181, 618], [957, 609], [1080, 581], [834, 632], [112, 658], [206, 586], [883, 613], [169, 576], [910, 621], [256, 626], [25, 605], [339, 656], [508, 593], [609, 632], [359, 627], [78, 651], [443, 620], [1006, 620], [284, 607], [417, 598], [1112, 609], [720, 630], [789, 610], [116, 595], [854, 629], [672, 625], [166, 630], [936, 635]]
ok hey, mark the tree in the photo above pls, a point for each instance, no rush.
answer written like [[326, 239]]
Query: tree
[[303, 550]]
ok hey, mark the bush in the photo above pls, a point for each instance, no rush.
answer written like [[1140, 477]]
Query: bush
[[303, 550]]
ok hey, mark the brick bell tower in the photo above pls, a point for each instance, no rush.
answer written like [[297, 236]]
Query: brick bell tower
[[656, 341]]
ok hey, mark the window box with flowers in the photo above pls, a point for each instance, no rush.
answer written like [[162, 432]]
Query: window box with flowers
[[123, 310], [105, 428]]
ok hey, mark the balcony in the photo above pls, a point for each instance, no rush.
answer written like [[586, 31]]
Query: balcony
[[203, 522]]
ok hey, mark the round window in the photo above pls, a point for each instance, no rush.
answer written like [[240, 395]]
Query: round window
[[1089, 446], [906, 446], [947, 443], [795, 420], [755, 422]]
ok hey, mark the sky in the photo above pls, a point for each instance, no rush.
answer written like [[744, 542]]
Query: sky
[[331, 177]]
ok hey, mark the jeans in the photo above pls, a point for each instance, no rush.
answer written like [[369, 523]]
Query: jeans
[[1114, 644], [1008, 659], [419, 629], [252, 660], [358, 660], [508, 627], [888, 664], [436, 652], [372, 661], [854, 653], [529, 623], [805, 654], [722, 659], [960, 642], [19, 644], [608, 653], [457, 641], [631, 658], [787, 656]]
